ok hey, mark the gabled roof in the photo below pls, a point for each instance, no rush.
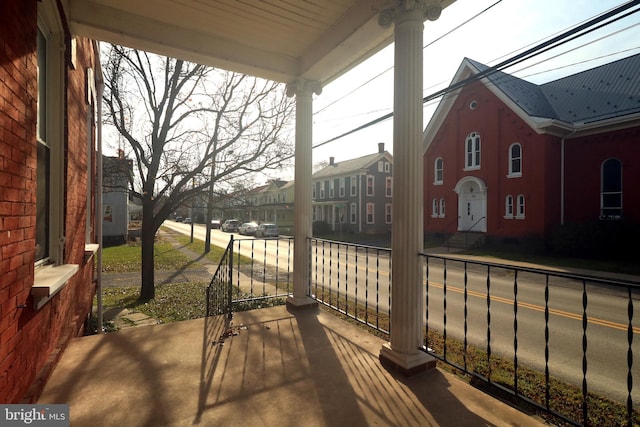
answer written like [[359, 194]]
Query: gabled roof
[[602, 98], [349, 167]]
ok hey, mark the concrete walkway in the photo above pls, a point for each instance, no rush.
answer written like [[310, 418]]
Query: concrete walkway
[[271, 367]]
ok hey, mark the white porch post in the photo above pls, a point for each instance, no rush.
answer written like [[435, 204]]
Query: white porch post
[[407, 292], [303, 91]]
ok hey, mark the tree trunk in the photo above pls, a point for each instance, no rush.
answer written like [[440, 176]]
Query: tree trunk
[[148, 232]]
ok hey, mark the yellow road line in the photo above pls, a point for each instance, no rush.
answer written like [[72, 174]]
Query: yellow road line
[[534, 307]]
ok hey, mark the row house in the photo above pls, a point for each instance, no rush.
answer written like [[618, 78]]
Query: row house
[[50, 85], [274, 203], [512, 159], [355, 195]]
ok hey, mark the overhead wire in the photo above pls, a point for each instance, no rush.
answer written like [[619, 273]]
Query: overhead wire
[[580, 30], [386, 70]]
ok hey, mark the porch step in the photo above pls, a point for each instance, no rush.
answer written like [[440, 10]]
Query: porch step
[[468, 240]]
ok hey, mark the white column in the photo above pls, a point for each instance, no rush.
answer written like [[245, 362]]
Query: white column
[[302, 223], [407, 291]]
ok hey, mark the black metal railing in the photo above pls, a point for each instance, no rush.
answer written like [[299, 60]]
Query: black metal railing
[[561, 342], [524, 331], [264, 272], [219, 291], [252, 273], [353, 279]]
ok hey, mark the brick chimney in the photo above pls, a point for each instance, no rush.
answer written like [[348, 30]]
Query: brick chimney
[[381, 147], [332, 161]]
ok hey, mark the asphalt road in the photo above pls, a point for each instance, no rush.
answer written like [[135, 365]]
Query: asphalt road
[[365, 274]]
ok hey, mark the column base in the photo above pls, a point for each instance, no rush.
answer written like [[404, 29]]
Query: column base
[[405, 364], [301, 303]]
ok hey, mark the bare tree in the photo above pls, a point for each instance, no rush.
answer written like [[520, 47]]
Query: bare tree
[[188, 127]]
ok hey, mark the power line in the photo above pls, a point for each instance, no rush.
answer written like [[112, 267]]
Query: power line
[[391, 68], [581, 30]]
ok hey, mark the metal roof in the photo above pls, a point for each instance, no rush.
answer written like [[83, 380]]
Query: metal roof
[[609, 91], [279, 40]]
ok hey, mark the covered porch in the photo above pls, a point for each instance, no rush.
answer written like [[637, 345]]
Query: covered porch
[[306, 45], [270, 367]]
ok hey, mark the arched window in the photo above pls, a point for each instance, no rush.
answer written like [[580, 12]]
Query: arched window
[[438, 168], [520, 206], [508, 206], [515, 160], [472, 151], [611, 189]]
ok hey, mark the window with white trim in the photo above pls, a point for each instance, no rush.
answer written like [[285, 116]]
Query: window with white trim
[[442, 208], [387, 167], [370, 213], [331, 189], [508, 206], [380, 166], [434, 208], [354, 213], [342, 187], [50, 136], [313, 214], [520, 206], [472, 151], [313, 191], [322, 189], [515, 160], [389, 186], [611, 189], [438, 171], [387, 213], [370, 183], [354, 185]]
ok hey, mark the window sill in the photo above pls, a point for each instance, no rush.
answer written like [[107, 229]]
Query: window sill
[[514, 175], [90, 250], [49, 280]]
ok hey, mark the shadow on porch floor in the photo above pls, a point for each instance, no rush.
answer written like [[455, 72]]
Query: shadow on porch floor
[[272, 367]]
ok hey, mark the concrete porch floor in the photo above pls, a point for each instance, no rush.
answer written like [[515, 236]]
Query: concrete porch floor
[[277, 368]]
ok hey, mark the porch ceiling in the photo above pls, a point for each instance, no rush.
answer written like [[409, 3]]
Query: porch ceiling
[[279, 40]]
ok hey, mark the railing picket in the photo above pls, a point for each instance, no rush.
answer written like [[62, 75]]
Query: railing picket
[[584, 354], [488, 323], [629, 357], [444, 309], [515, 331], [547, 384], [466, 294]]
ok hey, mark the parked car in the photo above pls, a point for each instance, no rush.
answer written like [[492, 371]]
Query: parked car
[[187, 220], [215, 223], [267, 230], [248, 228], [178, 219], [231, 225]]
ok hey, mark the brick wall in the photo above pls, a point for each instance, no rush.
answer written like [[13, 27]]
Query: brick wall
[[30, 340]]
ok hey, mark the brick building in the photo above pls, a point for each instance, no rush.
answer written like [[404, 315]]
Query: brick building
[[512, 159], [48, 117]]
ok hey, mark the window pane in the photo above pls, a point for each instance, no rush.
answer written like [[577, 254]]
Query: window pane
[[42, 85], [611, 176], [42, 203]]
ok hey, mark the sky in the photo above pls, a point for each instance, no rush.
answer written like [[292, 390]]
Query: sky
[[504, 29]]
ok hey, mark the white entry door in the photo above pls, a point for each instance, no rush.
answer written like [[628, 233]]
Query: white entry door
[[472, 205]]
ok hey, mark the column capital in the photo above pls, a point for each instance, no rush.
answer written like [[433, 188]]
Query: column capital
[[302, 86], [401, 9]]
